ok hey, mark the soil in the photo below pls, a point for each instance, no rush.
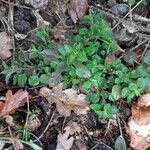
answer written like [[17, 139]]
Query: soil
[[96, 134]]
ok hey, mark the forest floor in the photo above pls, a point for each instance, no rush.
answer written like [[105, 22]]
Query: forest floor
[[36, 112]]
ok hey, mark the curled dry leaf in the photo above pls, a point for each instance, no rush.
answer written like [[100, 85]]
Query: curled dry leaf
[[6, 44], [139, 124], [59, 33], [78, 9], [12, 102], [66, 100], [73, 127], [33, 123], [37, 3], [110, 58], [63, 143]]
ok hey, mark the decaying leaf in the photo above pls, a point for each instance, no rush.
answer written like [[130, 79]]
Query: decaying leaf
[[78, 9], [63, 143], [73, 127], [66, 100], [139, 124], [37, 3], [12, 102], [5, 45], [59, 33], [33, 123], [109, 58]]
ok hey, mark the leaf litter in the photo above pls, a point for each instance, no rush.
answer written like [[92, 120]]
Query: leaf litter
[[66, 100], [138, 127], [6, 44], [12, 102]]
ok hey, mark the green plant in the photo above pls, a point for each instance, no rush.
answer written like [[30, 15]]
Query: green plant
[[120, 143], [80, 62]]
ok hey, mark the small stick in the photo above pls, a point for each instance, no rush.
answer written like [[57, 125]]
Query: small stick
[[144, 50], [128, 13]]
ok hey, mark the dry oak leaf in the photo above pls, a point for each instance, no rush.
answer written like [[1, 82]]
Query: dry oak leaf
[[66, 100], [63, 143], [59, 33], [12, 102], [6, 44], [78, 9], [73, 127], [139, 124]]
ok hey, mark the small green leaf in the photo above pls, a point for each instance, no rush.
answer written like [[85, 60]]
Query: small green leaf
[[120, 143], [55, 79], [116, 92], [34, 80], [124, 92], [44, 78], [96, 107], [15, 79], [22, 79], [86, 85], [75, 81], [93, 97], [50, 54], [83, 72], [146, 58]]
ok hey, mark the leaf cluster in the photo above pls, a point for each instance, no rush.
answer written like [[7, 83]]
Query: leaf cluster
[[80, 64]]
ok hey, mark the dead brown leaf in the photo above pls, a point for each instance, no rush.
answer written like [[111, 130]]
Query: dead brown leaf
[[73, 127], [78, 9], [109, 58], [63, 143], [141, 110], [12, 102], [6, 44], [41, 4], [139, 124], [66, 100], [33, 123], [58, 33]]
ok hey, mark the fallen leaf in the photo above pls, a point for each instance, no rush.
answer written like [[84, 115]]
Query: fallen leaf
[[109, 58], [73, 127], [66, 100], [137, 142], [141, 110], [6, 44], [12, 102], [139, 124], [59, 33], [9, 120], [33, 123], [37, 3], [63, 143], [80, 7], [2, 144], [73, 15]]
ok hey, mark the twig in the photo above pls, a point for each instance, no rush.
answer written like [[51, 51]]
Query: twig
[[132, 49], [12, 137], [100, 142], [128, 13], [119, 126], [27, 118], [144, 50], [49, 123]]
